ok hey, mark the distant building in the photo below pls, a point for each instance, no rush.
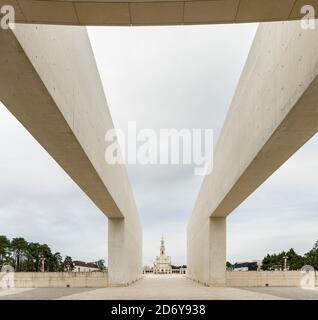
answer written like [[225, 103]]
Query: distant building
[[147, 269], [162, 264], [179, 269], [183, 270], [81, 266], [246, 266]]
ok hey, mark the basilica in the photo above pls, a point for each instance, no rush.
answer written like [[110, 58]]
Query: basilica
[[162, 265]]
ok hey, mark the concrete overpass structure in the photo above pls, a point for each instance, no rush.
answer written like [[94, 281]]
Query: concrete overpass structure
[[273, 113], [49, 81], [155, 12]]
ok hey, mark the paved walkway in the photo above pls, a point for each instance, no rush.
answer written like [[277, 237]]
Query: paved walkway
[[158, 287], [169, 287], [40, 293]]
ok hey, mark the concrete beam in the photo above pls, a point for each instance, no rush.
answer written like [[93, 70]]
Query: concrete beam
[[155, 12], [50, 83], [272, 115]]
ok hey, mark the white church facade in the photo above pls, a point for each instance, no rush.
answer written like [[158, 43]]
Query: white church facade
[[162, 265]]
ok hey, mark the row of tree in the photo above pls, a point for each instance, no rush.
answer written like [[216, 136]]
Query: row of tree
[[32, 256], [294, 261]]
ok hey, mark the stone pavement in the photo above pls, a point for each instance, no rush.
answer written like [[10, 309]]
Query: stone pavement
[[164, 287]]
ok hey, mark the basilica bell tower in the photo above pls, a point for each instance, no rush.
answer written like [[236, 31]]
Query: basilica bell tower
[[162, 247]]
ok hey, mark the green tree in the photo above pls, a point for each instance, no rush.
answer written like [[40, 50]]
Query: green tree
[[101, 264], [46, 253], [33, 256], [57, 262], [271, 262], [277, 261], [4, 249], [311, 257], [19, 249], [294, 260], [68, 264], [35, 252], [24, 256]]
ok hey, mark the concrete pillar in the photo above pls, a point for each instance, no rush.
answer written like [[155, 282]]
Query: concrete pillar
[[124, 254], [206, 252], [217, 252]]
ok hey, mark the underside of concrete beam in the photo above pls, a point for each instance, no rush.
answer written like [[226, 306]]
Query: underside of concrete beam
[[272, 115], [26, 95], [156, 12]]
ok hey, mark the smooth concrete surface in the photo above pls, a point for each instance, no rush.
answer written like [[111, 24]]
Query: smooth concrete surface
[[287, 293], [161, 287], [100, 279], [273, 113], [217, 255], [40, 293], [50, 83], [266, 278], [125, 265], [191, 293], [168, 287], [156, 12], [60, 279], [12, 292], [212, 237]]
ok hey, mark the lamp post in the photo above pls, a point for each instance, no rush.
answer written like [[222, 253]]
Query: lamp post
[[42, 260], [285, 262]]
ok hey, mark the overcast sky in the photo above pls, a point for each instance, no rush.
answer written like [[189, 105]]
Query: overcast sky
[[161, 77]]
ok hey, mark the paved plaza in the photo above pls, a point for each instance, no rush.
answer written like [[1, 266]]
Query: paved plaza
[[160, 287]]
